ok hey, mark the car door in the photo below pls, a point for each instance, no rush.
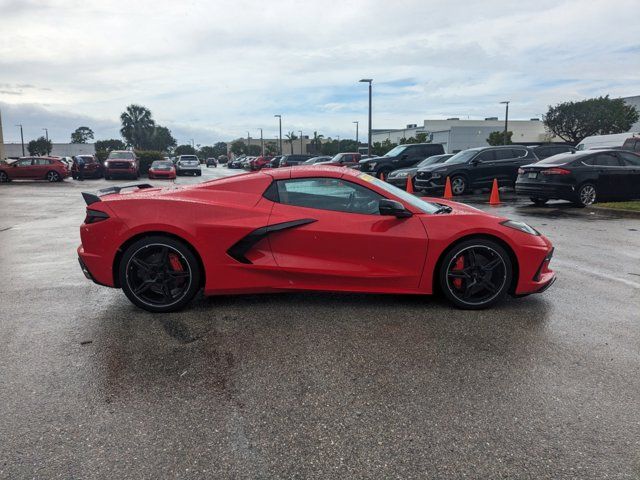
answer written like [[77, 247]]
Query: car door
[[631, 164], [409, 157], [506, 166], [483, 168], [332, 237], [40, 167], [23, 168], [612, 181]]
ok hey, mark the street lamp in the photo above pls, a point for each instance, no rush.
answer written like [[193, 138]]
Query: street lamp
[[369, 81], [21, 137], [261, 143], [357, 142], [280, 135], [506, 120], [300, 132], [46, 132], [338, 143]]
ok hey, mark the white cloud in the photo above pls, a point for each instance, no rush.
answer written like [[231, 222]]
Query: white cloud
[[213, 70]]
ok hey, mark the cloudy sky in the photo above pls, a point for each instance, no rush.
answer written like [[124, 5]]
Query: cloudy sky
[[213, 70]]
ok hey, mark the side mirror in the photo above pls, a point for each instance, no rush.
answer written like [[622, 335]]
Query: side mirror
[[392, 207]]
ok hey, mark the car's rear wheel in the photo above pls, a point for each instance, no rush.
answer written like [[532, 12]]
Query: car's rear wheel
[[539, 201], [475, 274], [159, 274], [4, 177], [53, 176], [587, 195], [458, 185]]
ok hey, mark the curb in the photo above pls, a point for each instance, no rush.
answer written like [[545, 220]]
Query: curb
[[616, 211]]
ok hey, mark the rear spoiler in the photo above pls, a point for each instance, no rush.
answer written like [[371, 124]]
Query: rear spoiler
[[90, 198]]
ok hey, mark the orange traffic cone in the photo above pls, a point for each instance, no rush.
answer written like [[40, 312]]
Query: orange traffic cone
[[409, 184], [494, 199], [447, 189]]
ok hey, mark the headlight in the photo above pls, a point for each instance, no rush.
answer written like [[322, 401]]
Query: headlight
[[371, 166], [106, 164], [523, 227], [402, 174], [437, 174]]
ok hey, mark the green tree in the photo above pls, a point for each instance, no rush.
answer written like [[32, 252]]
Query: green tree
[[41, 146], [109, 145], [291, 137], [220, 148], [422, 138], [137, 125], [573, 121], [82, 135], [411, 140], [184, 150], [381, 148], [160, 140], [270, 148], [317, 142], [497, 138], [207, 152], [238, 147], [254, 150]]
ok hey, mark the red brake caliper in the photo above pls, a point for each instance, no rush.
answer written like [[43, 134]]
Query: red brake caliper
[[175, 262], [457, 282]]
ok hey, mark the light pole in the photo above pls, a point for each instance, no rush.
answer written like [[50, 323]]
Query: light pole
[[193, 145], [338, 143], [506, 121], [46, 132], [357, 142], [300, 132], [369, 81], [261, 143], [280, 130], [21, 137]]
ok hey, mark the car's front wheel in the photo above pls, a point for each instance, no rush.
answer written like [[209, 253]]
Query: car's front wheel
[[475, 274], [159, 274], [53, 176], [458, 185]]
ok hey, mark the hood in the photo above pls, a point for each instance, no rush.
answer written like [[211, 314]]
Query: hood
[[431, 168]]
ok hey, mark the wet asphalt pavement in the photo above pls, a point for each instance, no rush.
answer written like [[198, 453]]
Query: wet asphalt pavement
[[311, 385]]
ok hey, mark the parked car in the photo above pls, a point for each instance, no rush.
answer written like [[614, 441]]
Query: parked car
[[211, 162], [293, 160], [246, 162], [162, 169], [547, 150], [614, 140], [235, 163], [343, 160], [402, 156], [260, 162], [314, 160], [476, 168], [121, 163], [399, 177], [52, 169], [92, 167], [275, 163], [68, 161], [188, 165], [632, 144], [320, 223], [582, 177]]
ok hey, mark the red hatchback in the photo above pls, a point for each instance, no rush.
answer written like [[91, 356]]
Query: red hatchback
[[34, 168], [162, 169]]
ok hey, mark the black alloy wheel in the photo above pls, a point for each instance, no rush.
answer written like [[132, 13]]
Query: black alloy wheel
[[159, 274], [458, 185], [53, 176], [476, 274], [587, 195], [4, 177]]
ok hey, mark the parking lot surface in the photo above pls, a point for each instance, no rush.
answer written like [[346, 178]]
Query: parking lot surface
[[313, 385]]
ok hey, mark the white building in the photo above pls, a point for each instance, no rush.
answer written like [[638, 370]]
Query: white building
[[634, 102], [456, 135], [14, 150]]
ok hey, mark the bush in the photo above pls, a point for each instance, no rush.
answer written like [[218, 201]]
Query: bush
[[147, 157]]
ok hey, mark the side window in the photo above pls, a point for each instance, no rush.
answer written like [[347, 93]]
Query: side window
[[505, 154], [24, 162], [629, 159], [607, 160], [41, 161], [519, 153], [328, 194], [591, 160], [487, 156]]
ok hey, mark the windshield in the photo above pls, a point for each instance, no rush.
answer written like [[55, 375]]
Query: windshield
[[430, 161], [425, 207], [394, 152], [123, 155], [190, 158], [462, 157], [162, 164], [559, 159]]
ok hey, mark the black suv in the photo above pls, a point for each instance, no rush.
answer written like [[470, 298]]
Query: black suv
[[476, 168], [402, 156], [293, 160]]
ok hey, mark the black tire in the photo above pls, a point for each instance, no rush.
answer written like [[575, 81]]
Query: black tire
[[459, 185], [53, 176], [587, 195], [538, 201], [4, 178], [481, 279], [199, 174], [148, 276]]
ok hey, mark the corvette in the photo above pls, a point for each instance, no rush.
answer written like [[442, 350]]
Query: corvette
[[304, 228]]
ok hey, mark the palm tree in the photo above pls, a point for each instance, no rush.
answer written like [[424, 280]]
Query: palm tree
[[316, 142], [290, 139], [137, 125]]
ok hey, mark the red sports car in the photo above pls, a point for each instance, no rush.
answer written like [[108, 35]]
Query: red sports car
[[306, 228], [162, 169]]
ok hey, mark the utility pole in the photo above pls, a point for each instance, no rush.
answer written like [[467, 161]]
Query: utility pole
[[2, 155], [300, 132], [21, 137], [338, 143], [506, 121], [280, 130], [261, 143], [248, 142], [357, 142], [369, 81]]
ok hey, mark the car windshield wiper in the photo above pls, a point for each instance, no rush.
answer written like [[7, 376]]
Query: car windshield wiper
[[443, 209]]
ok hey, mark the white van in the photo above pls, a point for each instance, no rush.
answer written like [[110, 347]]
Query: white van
[[614, 140]]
